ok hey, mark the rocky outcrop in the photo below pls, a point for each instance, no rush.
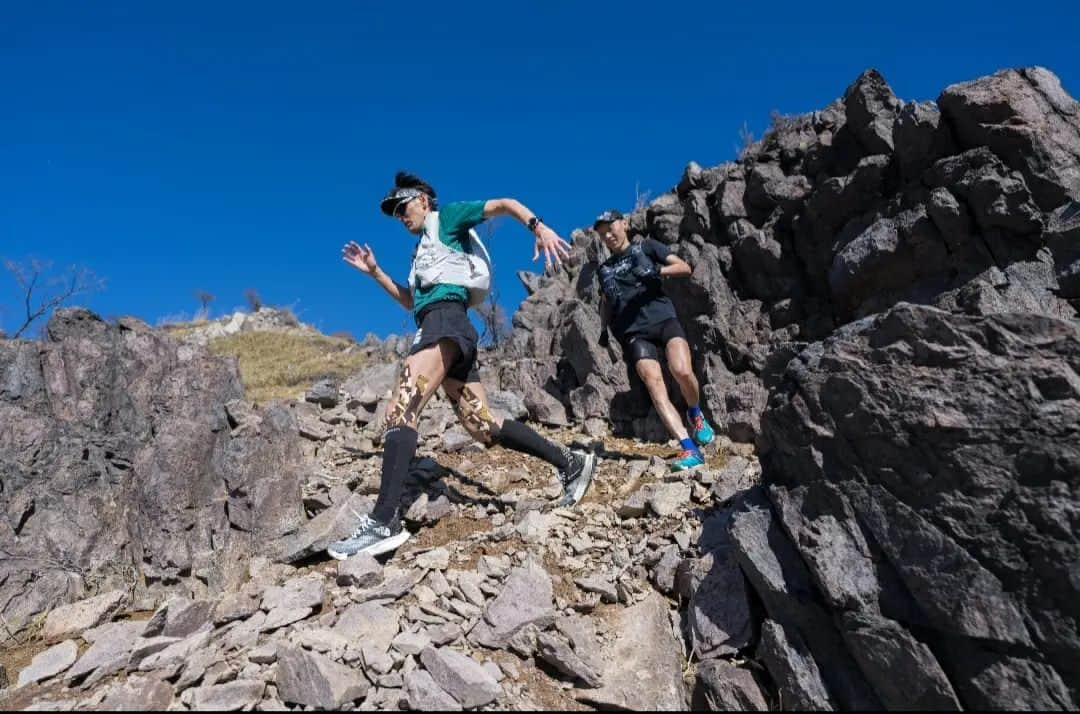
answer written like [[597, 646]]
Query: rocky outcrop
[[220, 514], [883, 300], [968, 204], [500, 602], [124, 467], [265, 319], [280, 320], [1027, 119], [925, 487]]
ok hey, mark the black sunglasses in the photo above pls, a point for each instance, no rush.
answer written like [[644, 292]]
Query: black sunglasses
[[399, 209]]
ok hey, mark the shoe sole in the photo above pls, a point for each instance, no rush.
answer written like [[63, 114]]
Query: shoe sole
[[581, 487], [383, 546]]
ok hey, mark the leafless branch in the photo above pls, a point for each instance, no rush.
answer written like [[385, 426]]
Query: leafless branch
[[496, 324], [204, 298], [746, 141], [254, 300], [492, 315], [41, 299], [641, 198]]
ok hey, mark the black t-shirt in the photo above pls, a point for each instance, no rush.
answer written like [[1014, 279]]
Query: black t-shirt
[[636, 304]]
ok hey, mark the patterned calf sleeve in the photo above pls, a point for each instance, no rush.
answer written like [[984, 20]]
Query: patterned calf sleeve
[[476, 417]]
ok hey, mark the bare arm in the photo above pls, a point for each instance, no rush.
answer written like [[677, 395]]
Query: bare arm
[[676, 267], [363, 259], [396, 290], [548, 241]]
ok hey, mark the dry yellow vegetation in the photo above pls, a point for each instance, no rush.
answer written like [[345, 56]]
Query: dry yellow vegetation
[[276, 365], [180, 330]]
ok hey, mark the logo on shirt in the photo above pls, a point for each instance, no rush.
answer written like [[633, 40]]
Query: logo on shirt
[[616, 276]]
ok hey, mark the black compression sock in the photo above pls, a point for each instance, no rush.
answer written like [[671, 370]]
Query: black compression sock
[[519, 437], [399, 447]]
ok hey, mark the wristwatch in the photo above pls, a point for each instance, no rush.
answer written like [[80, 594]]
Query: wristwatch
[[533, 222]]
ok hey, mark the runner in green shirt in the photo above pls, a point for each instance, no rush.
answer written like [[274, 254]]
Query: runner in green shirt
[[444, 354]]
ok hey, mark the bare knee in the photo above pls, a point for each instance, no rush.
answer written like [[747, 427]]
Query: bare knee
[[652, 376], [682, 371]]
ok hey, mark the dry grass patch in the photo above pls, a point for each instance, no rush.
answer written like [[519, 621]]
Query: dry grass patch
[[180, 330], [277, 365]]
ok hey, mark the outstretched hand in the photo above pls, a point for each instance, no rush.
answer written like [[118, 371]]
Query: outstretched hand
[[553, 247], [363, 259]]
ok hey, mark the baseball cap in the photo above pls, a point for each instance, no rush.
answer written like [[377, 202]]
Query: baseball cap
[[609, 216], [396, 196]]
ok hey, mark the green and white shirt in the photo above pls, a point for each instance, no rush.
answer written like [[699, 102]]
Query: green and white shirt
[[455, 220]]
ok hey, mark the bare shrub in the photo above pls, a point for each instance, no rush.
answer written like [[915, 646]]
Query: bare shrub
[[42, 294]]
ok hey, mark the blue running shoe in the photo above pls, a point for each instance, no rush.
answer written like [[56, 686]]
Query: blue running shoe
[[688, 459], [703, 433]]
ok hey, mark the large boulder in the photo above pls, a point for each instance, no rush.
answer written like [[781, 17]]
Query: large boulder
[[121, 466], [806, 638], [871, 109], [525, 601], [642, 664], [312, 680], [935, 458], [1025, 117]]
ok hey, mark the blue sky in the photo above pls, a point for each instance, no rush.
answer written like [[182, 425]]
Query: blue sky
[[224, 146]]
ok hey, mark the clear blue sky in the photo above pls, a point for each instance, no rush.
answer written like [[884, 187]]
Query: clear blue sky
[[173, 147]]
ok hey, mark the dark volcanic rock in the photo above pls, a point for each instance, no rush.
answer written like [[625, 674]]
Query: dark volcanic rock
[[871, 109], [798, 680], [719, 614], [118, 463], [986, 679], [903, 671], [955, 440], [1025, 117], [725, 687], [963, 204], [821, 525], [1063, 239], [920, 138], [781, 579]]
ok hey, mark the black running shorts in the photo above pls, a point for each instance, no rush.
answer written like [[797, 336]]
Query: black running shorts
[[448, 320], [648, 343]]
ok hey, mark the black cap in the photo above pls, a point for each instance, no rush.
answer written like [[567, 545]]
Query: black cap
[[608, 216], [396, 196]]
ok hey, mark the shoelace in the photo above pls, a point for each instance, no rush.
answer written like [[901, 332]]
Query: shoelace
[[366, 523], [687, 454], [567, 476], [699, 422]]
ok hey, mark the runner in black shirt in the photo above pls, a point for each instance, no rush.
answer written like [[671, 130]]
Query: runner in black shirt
[[643, 319]]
